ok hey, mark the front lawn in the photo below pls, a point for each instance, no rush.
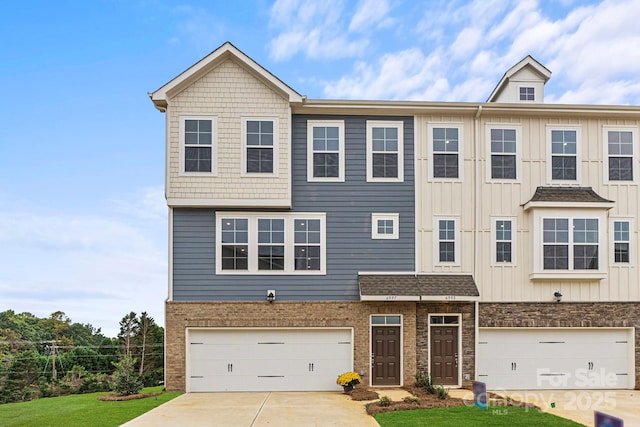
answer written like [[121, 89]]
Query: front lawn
[[79, 410], [463, 416]]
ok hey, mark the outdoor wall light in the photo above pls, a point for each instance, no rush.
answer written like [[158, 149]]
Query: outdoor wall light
[[271, 295], [558, 296]]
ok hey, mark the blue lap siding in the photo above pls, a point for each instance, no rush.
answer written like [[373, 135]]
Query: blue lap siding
[[349, 248]]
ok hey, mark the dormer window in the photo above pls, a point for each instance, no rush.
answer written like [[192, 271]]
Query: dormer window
[[527, 94]]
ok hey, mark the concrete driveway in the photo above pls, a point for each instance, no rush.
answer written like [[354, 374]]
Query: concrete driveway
[[579, 405], [258, 409]]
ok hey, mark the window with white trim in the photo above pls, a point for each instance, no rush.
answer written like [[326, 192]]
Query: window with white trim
[[308, 244], [621, 242], [270, 244], [620, 153], [503, 241], [385, 143], [325, 150], [503, 148], [445, 143], [527, 93], [447, 241], [265, 243], [384, 225], [571, 244], [260, 147], [563, 149], [197, 145], [234, 241]]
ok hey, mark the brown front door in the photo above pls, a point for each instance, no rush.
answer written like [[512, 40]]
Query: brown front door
[[385, 355], [444, 355]]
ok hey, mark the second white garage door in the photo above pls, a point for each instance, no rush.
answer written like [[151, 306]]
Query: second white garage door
[[267, 359], [529, 358]]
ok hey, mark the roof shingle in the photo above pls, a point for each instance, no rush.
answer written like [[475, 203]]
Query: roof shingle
[[567, 194], [418, 285]]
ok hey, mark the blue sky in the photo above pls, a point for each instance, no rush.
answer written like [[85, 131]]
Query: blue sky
[[83, 225]]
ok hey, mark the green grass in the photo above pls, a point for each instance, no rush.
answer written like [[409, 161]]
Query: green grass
[[79, 410], [463, 416]]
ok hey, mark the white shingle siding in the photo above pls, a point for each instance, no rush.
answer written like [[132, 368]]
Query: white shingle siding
[[229, 93]]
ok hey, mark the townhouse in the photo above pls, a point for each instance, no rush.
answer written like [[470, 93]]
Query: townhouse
[[491, 241]]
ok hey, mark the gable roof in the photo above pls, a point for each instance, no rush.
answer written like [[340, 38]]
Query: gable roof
[[417, 287], [528, 61], [209, 62]]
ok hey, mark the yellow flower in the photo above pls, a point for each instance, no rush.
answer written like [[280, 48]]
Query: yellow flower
[[349, 378]]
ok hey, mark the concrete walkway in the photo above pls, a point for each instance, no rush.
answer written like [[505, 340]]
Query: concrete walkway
[[258, 409], [319, 409]]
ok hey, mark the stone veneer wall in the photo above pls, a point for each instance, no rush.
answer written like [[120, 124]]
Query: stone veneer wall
[[468, 350], [565, 315], [181, 315]]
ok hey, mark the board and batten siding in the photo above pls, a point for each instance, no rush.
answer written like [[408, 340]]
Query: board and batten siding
[[349, 248], [505, 199]]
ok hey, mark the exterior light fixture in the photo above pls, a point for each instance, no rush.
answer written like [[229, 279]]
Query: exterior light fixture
[[558, 296], [271, 295]]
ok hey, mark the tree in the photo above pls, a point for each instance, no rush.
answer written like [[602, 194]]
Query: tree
[[125, 380], [18, 380], [128, 332]]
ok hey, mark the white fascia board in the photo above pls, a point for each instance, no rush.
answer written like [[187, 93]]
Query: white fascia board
[[387, 273], [455, 298], [227, 50], [568, 205], [389, 298], [226, 203]]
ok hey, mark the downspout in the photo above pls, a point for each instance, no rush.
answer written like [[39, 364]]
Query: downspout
[[476, 150]]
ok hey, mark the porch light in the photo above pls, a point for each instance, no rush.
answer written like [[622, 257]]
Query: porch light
[[558, 296], [271, 295]]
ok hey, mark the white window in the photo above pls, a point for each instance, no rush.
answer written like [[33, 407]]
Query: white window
[[270, 244], [503, 248], [620, 154], [265, 243], [527, 93], [503, 147], [234, 241], [563, 158], [198, 145], [309, 246], [260, 151], [325, 150], [447, 241], [384, 225], [445, 150], [622, 232], [569, 243], [385, 143]]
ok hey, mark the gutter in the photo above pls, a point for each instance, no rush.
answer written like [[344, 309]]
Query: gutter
[[476, 150]]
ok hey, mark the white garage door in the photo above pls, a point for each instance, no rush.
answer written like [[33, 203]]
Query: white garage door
[[267, 359], [529, 358]]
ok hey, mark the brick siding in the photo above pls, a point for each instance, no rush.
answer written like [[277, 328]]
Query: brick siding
[[182, 315], [565, 315]]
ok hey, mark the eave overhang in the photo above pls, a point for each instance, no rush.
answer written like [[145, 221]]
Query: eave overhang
[[227, 51], [567, 198], [417, 287]]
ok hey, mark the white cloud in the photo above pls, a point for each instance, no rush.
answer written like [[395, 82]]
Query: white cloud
[[369, 14], [400, 75], [317, 29], [591, 47], [94, 267]]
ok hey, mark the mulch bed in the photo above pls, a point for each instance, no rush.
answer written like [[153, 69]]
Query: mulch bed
[[424, 401], [116, 398]]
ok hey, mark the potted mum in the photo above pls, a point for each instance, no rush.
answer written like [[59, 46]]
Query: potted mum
[[348, 380]]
